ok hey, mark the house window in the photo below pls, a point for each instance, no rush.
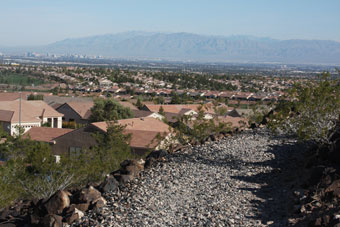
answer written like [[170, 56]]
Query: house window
[[55, 122], [75, 151]]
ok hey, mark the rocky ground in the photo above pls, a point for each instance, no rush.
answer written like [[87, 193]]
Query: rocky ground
[[245, 180]]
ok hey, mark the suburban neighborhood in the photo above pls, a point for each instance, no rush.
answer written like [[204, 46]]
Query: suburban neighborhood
[[51, 123]]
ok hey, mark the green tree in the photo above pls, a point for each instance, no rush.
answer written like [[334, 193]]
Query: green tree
[[113, 148], [159, 100], [161, 111], [109, 110], [139, 103], [175, 99]]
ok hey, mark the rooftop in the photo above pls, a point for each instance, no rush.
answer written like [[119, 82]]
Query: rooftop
[[81, 108], [31, 111], [46, 134], [143, 130]]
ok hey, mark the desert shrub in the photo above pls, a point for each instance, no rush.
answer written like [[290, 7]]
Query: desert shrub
[[192, 128], [112, 149], [35, 97], [32, 171], [10, 190], [310, 111], [258, 114]]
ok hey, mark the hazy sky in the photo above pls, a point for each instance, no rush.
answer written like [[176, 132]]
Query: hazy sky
[[36, 22]]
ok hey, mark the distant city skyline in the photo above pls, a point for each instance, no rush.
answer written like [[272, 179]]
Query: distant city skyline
[[40, 22]]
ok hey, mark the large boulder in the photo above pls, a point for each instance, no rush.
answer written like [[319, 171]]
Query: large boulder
[[158, 155], [132, 168], [52, 220], [154, 157], [57, 203], [137, 163], [334, 188], [125, 178], [99, 203], [110, 184], [87, 195], [73, 216], [81, 206], [149, 162]]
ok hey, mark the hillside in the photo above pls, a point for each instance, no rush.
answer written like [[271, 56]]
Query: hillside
[[186, 46]]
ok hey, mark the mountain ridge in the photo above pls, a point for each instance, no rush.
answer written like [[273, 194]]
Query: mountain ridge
[[188, 46]]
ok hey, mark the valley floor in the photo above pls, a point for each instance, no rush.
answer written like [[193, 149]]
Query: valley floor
[[244, 180]]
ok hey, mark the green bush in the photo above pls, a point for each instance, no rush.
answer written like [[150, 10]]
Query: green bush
[[35, 97], [32, 171], [197, 128], [108, 110], [310, 111]]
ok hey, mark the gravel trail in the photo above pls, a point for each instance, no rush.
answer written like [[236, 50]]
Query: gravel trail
[[243, 180]]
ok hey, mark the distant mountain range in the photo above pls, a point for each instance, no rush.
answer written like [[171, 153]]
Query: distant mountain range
[[193, 47]]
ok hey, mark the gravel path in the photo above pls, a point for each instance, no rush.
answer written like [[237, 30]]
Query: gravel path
[[238, 181]]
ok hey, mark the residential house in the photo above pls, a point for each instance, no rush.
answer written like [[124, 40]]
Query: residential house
[[144, 113], [105, 83], [186, 109], [175, 110], [144, 133], [78, 112], [32, 114]]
